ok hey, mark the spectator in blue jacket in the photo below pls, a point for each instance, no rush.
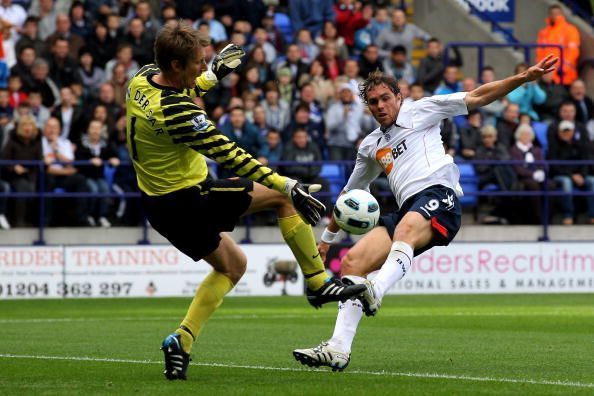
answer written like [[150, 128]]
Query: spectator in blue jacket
[[527, 95], [243, 132]]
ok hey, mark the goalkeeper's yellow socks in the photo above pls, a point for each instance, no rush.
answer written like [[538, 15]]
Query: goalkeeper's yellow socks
[[208, 298], [300, 238]]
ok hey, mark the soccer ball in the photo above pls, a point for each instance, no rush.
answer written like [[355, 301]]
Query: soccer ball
[[356, 212]]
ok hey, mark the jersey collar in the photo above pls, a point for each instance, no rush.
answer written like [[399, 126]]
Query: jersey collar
[[404, 120]]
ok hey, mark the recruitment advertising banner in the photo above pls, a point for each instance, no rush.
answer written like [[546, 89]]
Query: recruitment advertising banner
[[160, 270]]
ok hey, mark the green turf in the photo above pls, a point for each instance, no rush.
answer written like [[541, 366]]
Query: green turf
[[524, 343]]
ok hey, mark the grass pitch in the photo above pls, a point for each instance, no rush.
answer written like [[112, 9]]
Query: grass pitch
[[418, 345]]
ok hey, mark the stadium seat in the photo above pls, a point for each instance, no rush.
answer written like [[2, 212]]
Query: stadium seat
[[334, 174], [469, 183], [540, 130], [283, 23]]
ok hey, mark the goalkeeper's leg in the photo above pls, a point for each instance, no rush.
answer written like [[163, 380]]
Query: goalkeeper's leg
[[229, 263], [300, 238]]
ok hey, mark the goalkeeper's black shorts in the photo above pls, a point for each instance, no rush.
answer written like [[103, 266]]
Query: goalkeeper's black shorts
[[193, 218]]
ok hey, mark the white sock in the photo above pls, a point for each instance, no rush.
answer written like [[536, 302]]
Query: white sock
[[396, 266], [349, 314]]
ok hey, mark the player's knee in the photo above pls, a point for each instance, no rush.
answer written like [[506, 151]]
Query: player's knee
[[350, 265], [238, 268]]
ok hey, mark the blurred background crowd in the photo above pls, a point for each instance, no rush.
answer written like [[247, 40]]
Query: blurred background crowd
[[64, 67]]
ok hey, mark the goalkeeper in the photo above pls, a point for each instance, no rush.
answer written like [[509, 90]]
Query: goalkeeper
[[168, 137]]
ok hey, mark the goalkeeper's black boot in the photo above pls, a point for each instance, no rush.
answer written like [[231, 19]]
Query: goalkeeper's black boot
[[333, 290], [176, 359]]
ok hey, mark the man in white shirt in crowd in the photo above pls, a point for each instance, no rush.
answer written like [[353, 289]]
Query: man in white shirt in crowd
[[424, 181]]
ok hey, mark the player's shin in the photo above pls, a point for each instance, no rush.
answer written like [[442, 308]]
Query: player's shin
[[350, 313], [209, 296], [395, 267], [300, 238]]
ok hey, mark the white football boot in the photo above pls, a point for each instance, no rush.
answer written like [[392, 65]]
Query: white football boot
[[369, 299], [323, 355]]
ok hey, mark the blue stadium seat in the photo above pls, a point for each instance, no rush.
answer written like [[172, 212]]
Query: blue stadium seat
[[283, 23], [469, 183], [334, 174], [540, 130]]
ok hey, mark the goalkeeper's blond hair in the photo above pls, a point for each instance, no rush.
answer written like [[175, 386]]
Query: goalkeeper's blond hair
[[178, 41]]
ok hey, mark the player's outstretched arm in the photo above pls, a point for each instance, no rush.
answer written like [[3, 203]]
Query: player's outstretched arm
[[490, 92], [223, 63]]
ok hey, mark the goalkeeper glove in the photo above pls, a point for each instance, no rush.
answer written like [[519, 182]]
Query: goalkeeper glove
[[309, 208], [227, 60]]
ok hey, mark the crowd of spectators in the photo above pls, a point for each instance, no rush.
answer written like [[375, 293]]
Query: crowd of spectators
[[66, 65]]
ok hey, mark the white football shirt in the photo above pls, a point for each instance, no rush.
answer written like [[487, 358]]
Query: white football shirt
[[411, 151]]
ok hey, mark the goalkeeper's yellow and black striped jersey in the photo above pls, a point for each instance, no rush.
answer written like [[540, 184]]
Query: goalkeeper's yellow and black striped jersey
[[169, 135]]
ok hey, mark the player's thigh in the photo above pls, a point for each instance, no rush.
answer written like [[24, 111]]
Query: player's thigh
[[264, 198], [228, 258], [415, 230], [368, 254]]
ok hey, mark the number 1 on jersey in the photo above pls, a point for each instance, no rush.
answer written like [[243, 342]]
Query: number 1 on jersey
[[132, 141]]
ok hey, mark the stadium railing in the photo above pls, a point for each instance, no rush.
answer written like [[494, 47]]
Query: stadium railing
[[335, 172], [481, 46]]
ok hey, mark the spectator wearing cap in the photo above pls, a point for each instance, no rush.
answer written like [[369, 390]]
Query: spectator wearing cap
[[351, 76], [398, 66], [400, 33], [343, 121], [285, 87], [311, 14], [565, 148], [568, 112]]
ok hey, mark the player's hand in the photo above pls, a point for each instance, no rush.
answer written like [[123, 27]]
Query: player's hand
[[545, 66], [300, 195], [227, 60], [323, 249]]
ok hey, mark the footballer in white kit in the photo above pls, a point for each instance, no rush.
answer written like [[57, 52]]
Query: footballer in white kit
[[424, 180]]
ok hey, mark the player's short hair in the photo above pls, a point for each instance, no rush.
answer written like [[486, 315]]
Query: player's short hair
[[374, 79], [177, 41]]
